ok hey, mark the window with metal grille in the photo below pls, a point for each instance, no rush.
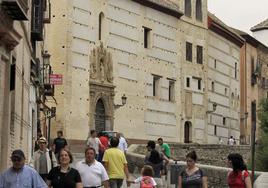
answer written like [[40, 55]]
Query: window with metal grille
[[198, 10], [199, 54], [189, 47], [188, 8]]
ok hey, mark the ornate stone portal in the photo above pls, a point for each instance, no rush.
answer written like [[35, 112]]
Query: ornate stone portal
[[101, 89]]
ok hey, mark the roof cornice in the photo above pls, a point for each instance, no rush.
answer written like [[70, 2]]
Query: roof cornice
[[161, 7], [225, 32]]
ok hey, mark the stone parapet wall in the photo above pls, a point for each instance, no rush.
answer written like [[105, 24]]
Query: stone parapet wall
[[209, 154], [217, 176]]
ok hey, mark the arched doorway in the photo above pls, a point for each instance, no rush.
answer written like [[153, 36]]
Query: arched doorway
[[100, 116], [187, 132]]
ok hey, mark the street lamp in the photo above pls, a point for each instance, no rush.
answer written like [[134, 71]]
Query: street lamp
[[214, 107], [124, 101]]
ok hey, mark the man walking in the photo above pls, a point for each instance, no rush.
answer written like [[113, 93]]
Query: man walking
[[116, 164], [122, 142], [59, 143], [43, 159], [92, 172], [20, 175], [94, 142]]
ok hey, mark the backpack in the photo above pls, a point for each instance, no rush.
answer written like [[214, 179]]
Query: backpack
[[146, 182]]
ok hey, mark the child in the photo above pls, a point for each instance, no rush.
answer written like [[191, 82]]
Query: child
[[146, 180]]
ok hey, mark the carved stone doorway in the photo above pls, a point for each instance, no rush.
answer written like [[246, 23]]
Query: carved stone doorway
[[100, 116]]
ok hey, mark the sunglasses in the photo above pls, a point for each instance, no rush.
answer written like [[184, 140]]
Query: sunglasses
[[42, 142]]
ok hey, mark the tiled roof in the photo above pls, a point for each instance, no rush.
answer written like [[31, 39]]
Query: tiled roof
[[260, 26]]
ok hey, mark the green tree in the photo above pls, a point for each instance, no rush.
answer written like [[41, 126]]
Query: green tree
[[262, 147]]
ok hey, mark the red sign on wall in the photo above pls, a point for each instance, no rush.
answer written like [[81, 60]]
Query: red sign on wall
[[55, 79]]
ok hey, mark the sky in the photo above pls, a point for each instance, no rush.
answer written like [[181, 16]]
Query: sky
[[240, 14]]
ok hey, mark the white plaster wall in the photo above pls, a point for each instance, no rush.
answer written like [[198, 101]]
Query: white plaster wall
[[261, 36]]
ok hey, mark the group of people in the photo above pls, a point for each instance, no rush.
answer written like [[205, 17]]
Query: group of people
[[105, 165]]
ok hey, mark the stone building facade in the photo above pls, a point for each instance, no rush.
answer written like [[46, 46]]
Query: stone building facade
[[19, 52], [150, 53], [224, 81]]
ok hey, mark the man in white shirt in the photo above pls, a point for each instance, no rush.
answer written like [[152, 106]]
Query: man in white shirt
[[122, 142], [231, 141], [93, 173], [94, 142]]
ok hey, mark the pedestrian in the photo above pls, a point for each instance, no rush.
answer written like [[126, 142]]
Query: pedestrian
[[36, 144], [64, 176], [239, 176], [164, 147], [231, 141], [104, 139], [220, 141], [43, 159], [156, 160], [122, 142], [116, 164], [20, 175], [146, 180], [93, 173], [94, 142], [59, 143], [192, 176]]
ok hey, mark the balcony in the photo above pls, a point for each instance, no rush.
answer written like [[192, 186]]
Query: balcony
[[49, 90], [16, 9], [37, 20]]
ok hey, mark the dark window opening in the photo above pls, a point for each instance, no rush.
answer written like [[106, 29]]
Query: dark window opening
[[189, 51], [146, 41], [199, 84], [156, 80], [13, 75], [101, 17], [198, 10], [215, 130], [187, 82], [235, 70], [224, 121], [199, 56], [187, 8]]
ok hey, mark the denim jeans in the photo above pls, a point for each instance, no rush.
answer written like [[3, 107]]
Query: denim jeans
[[115, 183]]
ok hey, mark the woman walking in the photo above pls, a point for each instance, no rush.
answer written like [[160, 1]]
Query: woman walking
[[64, 176], [192, 176], [239, 176]]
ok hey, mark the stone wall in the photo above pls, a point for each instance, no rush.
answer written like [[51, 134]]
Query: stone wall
[[217, 176], [209, 154]]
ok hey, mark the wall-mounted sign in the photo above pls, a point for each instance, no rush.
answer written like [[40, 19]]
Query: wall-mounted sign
[[55, 79]]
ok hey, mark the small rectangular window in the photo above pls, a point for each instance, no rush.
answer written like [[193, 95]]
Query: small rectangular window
[[199, 54], [199, 84], [187, 82], [146, 42], [215, 64], [188, 8], [189, 51], [171, 90], [235, 70], [198, 10], [224, 121], [12, 84], [215, 130], [156, 83]]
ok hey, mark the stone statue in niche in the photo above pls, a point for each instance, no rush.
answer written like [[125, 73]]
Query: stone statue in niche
[[101, 66]]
